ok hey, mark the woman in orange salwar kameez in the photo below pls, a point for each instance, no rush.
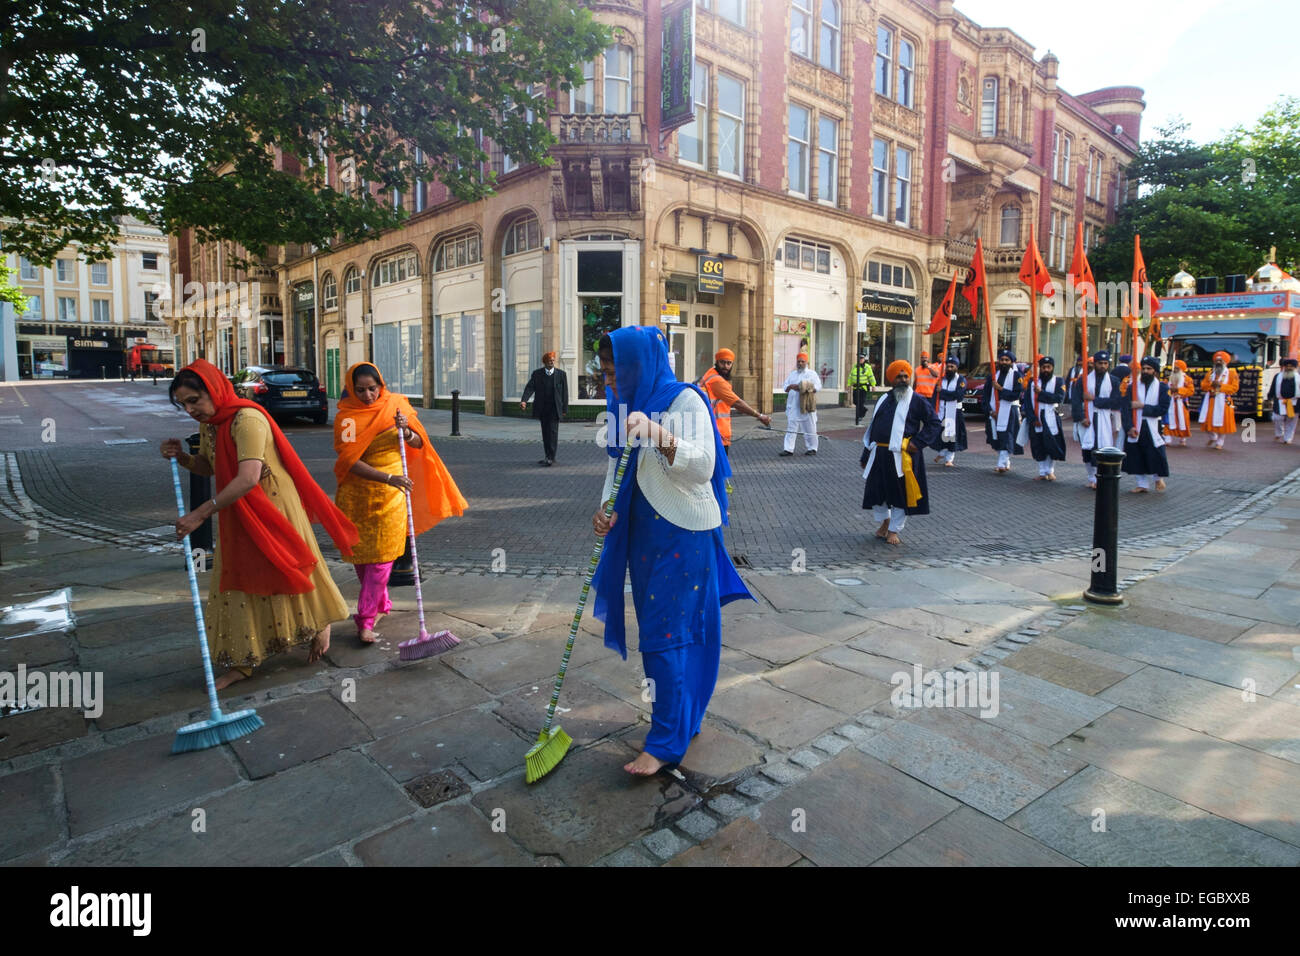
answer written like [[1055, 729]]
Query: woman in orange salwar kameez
[[371, 488]]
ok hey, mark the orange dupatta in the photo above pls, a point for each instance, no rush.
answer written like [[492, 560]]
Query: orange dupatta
[[263, 554], [434, 494]]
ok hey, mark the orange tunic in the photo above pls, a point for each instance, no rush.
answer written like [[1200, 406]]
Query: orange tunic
[[1228, 389], [1180, 419], [378, 510], [721, 397]]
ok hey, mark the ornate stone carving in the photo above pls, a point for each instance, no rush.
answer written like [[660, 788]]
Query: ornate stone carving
[[597, 185], [557, 194]]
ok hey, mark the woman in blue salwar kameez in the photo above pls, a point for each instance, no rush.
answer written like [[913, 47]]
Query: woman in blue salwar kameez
[[666, 533]]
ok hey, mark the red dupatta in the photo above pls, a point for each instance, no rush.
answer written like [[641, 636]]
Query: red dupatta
[[263, 553]]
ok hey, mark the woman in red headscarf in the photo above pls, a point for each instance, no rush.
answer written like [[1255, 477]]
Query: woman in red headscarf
[[371, 485], [272, 591]]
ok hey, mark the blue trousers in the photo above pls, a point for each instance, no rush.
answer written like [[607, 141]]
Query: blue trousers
[[684, 678]]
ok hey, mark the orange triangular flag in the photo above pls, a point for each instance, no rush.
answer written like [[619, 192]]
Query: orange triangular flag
[[1033, 272]]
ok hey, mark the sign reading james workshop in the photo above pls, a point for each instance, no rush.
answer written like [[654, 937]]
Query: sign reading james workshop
[[677, 106]]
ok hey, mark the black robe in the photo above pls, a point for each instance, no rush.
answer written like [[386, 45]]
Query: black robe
[[953, 395], [1002, 441], [883, 485], [1042, 443], [1141, 456]]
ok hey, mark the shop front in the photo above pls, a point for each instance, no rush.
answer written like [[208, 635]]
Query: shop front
[[95, 357], [42, 356], [599, 292], [886, 329]]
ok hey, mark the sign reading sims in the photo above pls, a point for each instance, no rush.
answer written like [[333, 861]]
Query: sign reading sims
[[677, 106], [710, 275]]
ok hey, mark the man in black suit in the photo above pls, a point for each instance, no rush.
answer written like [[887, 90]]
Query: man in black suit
[[551, 387]]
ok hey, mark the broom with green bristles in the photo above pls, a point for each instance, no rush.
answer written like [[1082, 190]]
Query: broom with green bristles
[[552, 745], [219, 728]]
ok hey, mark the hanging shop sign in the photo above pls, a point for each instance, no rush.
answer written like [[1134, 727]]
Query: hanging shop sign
[[710, 275]]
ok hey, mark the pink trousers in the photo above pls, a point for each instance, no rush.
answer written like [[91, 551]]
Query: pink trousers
[[373, 600]]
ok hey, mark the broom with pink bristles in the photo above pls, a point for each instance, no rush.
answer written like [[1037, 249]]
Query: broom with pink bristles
[[426, 645]]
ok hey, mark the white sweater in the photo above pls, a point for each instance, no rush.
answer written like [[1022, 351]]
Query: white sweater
[[681, 492]]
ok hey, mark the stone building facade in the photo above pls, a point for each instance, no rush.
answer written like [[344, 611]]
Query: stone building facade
[[843, 158]]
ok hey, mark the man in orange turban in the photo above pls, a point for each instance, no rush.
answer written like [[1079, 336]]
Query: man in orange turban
[[801, 388], [1181, 388], [1217, 416], [902, 424], [551, 387], [716, 383]]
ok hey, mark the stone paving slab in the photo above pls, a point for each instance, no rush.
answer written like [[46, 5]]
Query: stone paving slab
[[167, 654], [774, 638], [623, 679], [874, 666], [839, 826], [1048, 584], [1276, 640], [715, 756], [1282, 540], [1080, 668], [412, 694], [782, 719], [585, 808], [966, 757], [36, 650], [403, 624], [1143, 827], [276, 822], [135, 779], [484, 599], [893, 591], [96, 605], [124, 630], [831, 686], [475, 739], [535, 659], [798, 592], [1191, 622], [1161, 595], [1206, 581], [32, 820], [1039, 710], [33, 730], [936, 621], [297, 731], [452, 835], [586, 712], [967, 837], [740, 843], [1255, 789], [960, 584], [1188, 655], [912, 647], [998, 616], [1261, 724]]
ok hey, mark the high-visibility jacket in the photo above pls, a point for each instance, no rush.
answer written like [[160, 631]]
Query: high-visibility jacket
[[862, 376], [927, 379], [721, 398]]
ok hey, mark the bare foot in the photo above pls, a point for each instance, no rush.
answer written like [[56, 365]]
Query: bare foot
[[368, 636], [644, 765], [319, 646], [948, 464], [1051, 476], [883, 529], [893, 538], [1138, 491], [229, 677], [1160, 484]]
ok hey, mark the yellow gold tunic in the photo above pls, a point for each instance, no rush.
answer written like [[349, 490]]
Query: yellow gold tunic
[[245, 629], [378, 511]]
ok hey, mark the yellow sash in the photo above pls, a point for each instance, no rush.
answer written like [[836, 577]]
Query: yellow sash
[[910, 485]]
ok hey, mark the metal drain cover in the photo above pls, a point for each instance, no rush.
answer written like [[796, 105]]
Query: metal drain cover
[[847, 582], [740, 561], [435, 788]]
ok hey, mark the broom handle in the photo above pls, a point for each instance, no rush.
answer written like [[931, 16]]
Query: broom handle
[[194, 596], [586, 588], [410, 530]]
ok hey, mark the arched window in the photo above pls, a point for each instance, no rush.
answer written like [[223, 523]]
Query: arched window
[[397, 268], [879, 272], [618, 79], [352, 282], [1010, 232], [329, 292], [522, 235], [828, 49], [462, 249]]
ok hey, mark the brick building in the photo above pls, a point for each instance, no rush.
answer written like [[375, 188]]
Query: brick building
[[842, 158]]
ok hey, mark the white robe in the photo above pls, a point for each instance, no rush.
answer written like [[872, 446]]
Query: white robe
[[1218, 400], [792, 412], [1102, 429]]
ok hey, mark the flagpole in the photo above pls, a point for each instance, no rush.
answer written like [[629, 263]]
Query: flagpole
[[947, 335]]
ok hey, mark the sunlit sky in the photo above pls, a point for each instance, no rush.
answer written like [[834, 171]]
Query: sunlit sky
[[1216, 63]]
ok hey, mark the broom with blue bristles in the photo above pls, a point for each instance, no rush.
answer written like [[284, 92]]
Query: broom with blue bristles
[[552, 745], [219, 728]]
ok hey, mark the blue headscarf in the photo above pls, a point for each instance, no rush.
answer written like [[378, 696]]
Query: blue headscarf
[[646, 384]]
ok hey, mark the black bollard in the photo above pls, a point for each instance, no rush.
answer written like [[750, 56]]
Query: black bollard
[[103, 371], [403, 573], [455, 412], [155, 376], [200, 491], [1105, 530]]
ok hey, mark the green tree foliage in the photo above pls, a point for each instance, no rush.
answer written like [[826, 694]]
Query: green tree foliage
[[1218, 207], [169, 111]]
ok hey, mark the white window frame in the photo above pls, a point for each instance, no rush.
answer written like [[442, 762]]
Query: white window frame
[[67, 306], [989, 108], [883, 64], [588, 86], [28, 272], [828, 36], [466, 245], [1067, 141], [804, 146], [32, 310], [145, 257], [732, 121], [98, 306], [624, 83], [350, 278], [508, 163], [821, 254], [905, 82], [903, 185], [725, 9], [98, 269], [1002, 225], [828, 185], [329, 292], [700, 125], [885, 268], [879, 179], [801, 21], [396, 268], [63, 271], [526, 227]]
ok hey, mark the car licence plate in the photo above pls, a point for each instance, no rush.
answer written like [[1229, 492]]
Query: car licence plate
[[294, 394]]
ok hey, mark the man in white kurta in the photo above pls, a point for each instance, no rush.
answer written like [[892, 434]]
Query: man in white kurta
[[1096, 403], [800, 381]]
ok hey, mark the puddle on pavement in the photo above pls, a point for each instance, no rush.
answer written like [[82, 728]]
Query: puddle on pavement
[[50, 612]]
